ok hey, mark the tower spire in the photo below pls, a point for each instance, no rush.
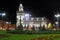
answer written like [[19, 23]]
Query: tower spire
[[21, 8]]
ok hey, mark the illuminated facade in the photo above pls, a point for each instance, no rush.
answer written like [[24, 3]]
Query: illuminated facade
[[7, 25], [28, 21], [20, 15], [35, 21]]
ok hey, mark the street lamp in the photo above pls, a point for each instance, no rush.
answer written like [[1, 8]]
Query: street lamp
[[57, 23], [2, 14]]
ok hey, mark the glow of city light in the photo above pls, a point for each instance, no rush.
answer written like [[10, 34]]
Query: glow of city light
[[8, 22], [32, 18], [37, 19], [3, 14], [42, 18], [0, 13], [56, 23], [58, 15], [21, 5], [27, 16], [18, 17]]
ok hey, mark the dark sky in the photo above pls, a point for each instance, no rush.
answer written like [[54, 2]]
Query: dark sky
[[37, 8], [9, 7], [40, 8]]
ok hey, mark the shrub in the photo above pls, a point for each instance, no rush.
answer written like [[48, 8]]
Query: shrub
[[33, 28], [33, 32], [20, 27]]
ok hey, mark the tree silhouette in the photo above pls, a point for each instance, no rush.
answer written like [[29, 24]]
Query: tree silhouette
[[33, 28], [20, 27], [44, 27]]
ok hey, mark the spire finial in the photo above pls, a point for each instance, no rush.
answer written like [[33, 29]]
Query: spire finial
[[21, 7]]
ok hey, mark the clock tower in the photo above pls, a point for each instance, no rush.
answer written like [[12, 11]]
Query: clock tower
[[19, 15]]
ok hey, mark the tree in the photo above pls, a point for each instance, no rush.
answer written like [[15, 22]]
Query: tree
[[39, 28], [33, 28], [20, 27], [44, 27]]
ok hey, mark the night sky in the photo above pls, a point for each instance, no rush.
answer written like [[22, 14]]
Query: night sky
[[38, 8]]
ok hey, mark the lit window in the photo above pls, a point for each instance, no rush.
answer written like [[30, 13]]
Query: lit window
[[37, 19], [56, 23], [20, 9], [37, 25], [18, 17], [42, 18], [32, 18]]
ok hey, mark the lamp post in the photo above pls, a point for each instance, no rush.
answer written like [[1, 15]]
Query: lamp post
[[57, 23], [2, 14]]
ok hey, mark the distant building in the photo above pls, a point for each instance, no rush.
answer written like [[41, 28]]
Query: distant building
[[7, 25], [28, 21], [19, 15]]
